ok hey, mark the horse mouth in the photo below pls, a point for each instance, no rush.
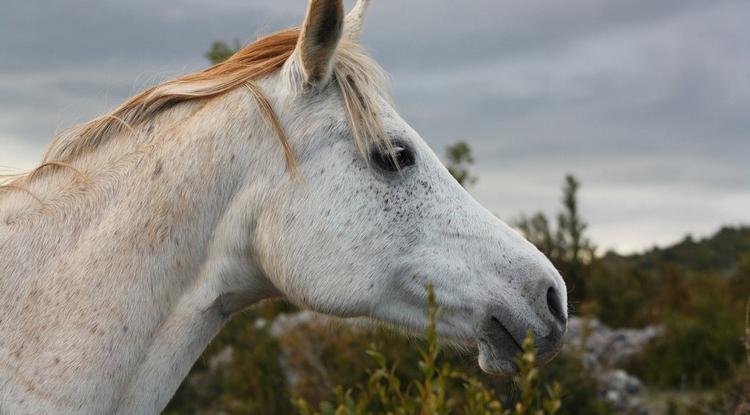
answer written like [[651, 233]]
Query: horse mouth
[[498, 348]]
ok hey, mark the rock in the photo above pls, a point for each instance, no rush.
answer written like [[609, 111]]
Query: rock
[[298, 335], [603, 350], [222, 359], [618, 379], [605, 347], [621, 390]]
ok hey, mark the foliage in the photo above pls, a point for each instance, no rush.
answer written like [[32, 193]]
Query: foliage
[[731, 396], [696, 289], [617, 294], [578, 384], [221, 51], [722, 252], [699, 310], [323, 354], [458, 160], [537, 230], [566, 246], [384, 392], [696, 351], [575, 247], [253, 383], [698, 301], [747, 333]]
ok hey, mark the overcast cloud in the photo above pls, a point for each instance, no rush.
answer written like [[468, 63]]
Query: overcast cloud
[[647, 102]]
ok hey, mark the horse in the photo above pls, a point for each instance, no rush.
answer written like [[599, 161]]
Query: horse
[[283, 172]]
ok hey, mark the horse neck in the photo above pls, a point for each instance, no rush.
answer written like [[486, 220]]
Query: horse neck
[[117, 285]]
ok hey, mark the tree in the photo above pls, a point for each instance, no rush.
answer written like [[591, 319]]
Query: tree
[[221, 51], [567, 246], [458, 160], [576, 248], [537, 230]]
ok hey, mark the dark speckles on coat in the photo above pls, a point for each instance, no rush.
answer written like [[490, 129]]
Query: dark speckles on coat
[[157, 170]]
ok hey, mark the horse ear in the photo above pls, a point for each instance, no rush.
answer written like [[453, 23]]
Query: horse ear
[[319, 37], [355, 20]]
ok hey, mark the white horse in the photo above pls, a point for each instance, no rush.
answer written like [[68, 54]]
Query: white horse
[[283, 172]]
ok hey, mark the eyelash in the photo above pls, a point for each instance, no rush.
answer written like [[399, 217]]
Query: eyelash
[[402, 156]]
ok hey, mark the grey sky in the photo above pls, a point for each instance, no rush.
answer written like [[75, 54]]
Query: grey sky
[[647, 102]]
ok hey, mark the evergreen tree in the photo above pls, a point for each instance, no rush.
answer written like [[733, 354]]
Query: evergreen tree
[[574, 248], [570, 226], [566, 246]]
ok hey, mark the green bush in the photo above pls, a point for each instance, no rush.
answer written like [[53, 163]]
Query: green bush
[[618, 293], [699, 349], [318, 355], [430, 393], [579, 386], [253, 383]]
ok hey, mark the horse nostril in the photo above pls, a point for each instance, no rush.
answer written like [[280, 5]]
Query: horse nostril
[[554, 304]]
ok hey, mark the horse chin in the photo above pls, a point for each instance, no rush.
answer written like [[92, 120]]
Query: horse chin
[[496, 360]]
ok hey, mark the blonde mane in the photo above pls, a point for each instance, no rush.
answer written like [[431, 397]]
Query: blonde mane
[[360, 80]]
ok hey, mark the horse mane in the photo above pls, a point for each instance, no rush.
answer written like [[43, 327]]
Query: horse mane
[[360, 80]]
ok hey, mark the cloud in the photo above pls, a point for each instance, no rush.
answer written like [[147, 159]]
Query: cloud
[[645, 101], [23, 155]]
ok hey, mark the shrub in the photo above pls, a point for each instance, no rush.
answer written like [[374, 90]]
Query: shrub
[[580, 389], [384, 392], [254, 382], [699, 349]]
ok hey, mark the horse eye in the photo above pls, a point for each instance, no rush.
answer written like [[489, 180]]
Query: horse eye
[[399, 157]]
